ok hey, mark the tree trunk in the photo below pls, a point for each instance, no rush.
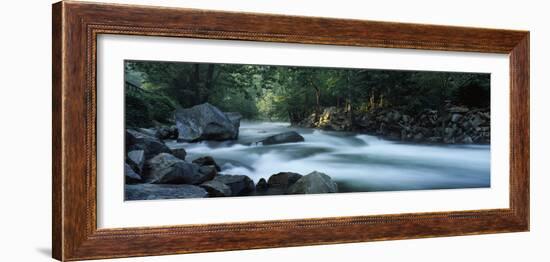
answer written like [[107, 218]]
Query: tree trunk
[[349, 105], [317, 100], [196, 81], [209, 82]]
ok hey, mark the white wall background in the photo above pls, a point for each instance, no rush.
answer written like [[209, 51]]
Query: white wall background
[[25, 145]]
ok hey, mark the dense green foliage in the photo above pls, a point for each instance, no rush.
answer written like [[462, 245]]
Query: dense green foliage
[[145, 107], [289, 92]]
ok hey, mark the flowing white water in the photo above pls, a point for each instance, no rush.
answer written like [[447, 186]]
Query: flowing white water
[[357, 162]]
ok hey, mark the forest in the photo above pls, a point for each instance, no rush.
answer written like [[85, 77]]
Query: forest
[[290, 93]]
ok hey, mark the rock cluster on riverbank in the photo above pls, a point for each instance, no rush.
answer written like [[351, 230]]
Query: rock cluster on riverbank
[[452, 125], [155, 171]]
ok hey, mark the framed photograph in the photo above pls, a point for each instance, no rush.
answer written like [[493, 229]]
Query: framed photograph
[[181, 130]]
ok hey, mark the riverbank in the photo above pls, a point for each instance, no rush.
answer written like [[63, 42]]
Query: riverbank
[[451, 125], [155, 171]]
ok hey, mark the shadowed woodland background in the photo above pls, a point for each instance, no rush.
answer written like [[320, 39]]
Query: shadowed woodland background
[[288, 93]]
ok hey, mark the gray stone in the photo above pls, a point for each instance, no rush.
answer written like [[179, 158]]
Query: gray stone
[[476, 121], [286, 137], [261, 185], [130, 176], [136, 159], [206, 161], [167, 132], [209, 172], [314, 183], [216, 188], [283, 180], [148, 131], [235, 119], [156, 191], [456, 117], [240, 184], [467, 140], [205, 122], [279, 183], [179, 153], [150, 144], [168, 169]]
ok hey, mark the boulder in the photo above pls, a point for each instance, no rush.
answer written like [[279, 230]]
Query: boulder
[[262, 185], [240, 184], [456, 117], [147, 131], [286, 137], [283, 180], [206, 161], [136, 159], [130, 176], [205, 122], [279, 183], [168, 169], [216, 188], [476, 121], [167, 132], [156, 191], [208, 171], [467, 140], [151, 145], [179, 153], [314, 183], [235, 119]]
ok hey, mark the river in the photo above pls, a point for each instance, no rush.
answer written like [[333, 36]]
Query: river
[[357, 162]]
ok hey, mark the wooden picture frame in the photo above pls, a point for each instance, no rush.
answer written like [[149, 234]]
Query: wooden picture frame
[[76, 26]]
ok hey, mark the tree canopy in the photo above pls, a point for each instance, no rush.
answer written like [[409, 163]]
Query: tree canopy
[[290, 93]]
